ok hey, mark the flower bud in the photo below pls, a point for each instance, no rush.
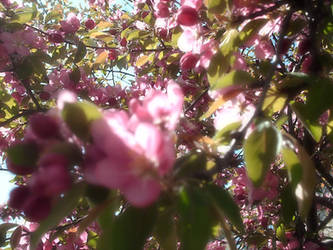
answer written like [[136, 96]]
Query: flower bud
[[18, 196], [37, 208], [44, 126], [188, 16], [90, 24], [188, 61]]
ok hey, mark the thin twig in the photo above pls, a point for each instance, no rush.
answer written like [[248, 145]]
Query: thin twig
[[17, 116]]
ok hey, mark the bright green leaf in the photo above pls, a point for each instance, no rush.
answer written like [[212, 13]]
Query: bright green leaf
[[24, 15], [130, 230], [226, 204], [288, 204], [230, 41], [165, 229], [236, 77], [217, 6], [293, 166], [260, 150], [78, 116], [196, 218]]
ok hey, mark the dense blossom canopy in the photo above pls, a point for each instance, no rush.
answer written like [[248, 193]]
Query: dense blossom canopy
[[155, 124]]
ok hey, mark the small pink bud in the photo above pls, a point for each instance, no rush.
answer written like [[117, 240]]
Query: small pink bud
[[285, 44], [113, 31], [163, 10], [123, 42], [51, 159], [144, 14], [188, 16], [44, 126], [44, 96], [18, 196], [56, 37], [90, 24], [113, 55], [37, 208], [188, 61], [307, 64], [304, 46]]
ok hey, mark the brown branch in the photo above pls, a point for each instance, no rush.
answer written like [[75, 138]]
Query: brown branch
[[196, 101], [26, 84], [101, 47], [17, 116]]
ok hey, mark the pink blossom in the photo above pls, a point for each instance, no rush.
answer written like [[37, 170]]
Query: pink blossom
[[240, 63], [132, 152], [161, 8], [51, 180], [264, 49], [187, 16], [133, 158], [187, 40], [4, 58], [160, 108], [71, 24], [195, 4], [13, 43], [207, 51], [56, 36], [215, 245], [233, 110]]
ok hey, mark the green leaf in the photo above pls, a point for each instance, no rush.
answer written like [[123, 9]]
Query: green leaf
[[288, 204], [97, 194], [189, 165], [223, 135], [318, 101], [217, 6], [308, 120], [319, 98], [3, 232], [62, 208], [281, 233], [23, 154], [251, 28], [165, 229], [260, 150], [236, 77], [294, 167], [226, 204], [196, 218], [130, 230], [80, 52], [133, 35], [24, 15], [78, 117], [230, 42], [25, 69], [305, 189]]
